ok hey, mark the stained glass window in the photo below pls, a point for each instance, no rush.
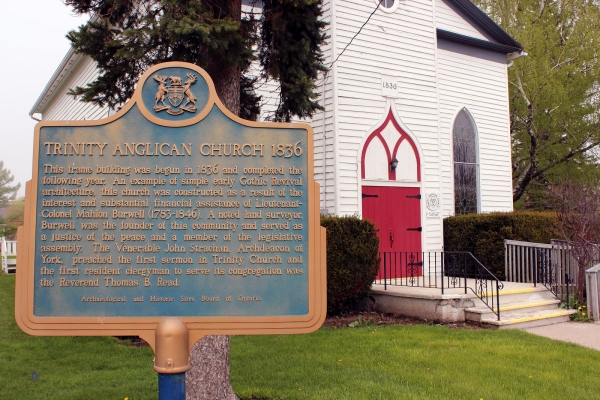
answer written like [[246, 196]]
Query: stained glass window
[[465, 164]]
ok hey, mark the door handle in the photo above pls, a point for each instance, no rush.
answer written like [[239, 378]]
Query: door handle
[[391, 238]]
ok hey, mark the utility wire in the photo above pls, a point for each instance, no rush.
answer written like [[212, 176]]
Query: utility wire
[[357, 33], [326, 76]]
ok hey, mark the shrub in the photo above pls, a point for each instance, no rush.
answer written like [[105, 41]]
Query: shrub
[[484, 234], [352, 261]]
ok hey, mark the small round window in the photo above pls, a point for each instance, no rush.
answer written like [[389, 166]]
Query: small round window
[[388, 5]]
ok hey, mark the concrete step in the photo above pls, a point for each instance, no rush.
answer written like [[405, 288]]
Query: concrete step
[[509, 310], [532, 319], [524, 294]]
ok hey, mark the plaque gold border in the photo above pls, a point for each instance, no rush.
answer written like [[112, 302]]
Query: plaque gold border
[[144, 327]]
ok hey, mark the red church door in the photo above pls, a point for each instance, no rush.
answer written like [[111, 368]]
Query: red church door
[[396, 212]]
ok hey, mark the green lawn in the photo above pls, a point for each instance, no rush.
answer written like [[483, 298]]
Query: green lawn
[[68, 367], [399, 362]]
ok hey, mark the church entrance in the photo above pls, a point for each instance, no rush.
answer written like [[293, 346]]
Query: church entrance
[[396, 212]]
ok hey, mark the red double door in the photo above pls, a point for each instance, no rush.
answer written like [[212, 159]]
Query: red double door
[[396, 212]]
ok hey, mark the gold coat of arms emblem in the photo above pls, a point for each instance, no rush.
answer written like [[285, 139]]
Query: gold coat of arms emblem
[[178, 94]]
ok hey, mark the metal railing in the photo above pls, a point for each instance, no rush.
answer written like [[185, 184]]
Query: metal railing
[[555, 278], [522, 258], [443, 271]]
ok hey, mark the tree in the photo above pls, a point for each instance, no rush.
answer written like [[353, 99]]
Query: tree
[[554, 99], [577, 206], [14, 217], [7, 192], [127, 37]]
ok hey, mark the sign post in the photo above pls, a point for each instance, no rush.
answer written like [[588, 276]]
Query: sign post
[[172, 358], [171, 214]]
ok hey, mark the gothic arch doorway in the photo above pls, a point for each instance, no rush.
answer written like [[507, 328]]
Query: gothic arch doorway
[[391, 197]]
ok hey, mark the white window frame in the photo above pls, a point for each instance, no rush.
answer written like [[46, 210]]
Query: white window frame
[[477, 160], [390, 9]]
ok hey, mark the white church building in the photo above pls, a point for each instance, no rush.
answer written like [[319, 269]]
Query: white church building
[[416, 123]]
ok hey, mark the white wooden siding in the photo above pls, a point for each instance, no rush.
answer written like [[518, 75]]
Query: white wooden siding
[[477, 80], [323, 123], [451, 20], [400, 44], [64, 107], [435, 81]]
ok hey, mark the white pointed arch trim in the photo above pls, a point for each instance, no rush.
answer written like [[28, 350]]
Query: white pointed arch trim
[[378, 129], [389, 115]]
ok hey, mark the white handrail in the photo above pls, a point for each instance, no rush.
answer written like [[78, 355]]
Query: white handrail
[[522, 258], [9, 253], [528, 244]]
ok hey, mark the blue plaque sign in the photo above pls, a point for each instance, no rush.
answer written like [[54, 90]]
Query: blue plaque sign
[[173, 207]]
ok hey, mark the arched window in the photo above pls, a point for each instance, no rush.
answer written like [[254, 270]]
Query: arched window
[[466, 167]]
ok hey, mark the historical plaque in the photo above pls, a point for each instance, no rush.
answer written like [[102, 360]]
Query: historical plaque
[[173, 207]]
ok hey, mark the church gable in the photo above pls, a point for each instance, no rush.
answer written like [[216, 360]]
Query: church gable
[[462, 22]]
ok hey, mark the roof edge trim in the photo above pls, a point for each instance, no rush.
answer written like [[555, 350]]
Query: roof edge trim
[[474, 42], [64, 65], [485, 22]]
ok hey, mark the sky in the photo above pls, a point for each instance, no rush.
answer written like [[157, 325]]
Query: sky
[[32, 45]]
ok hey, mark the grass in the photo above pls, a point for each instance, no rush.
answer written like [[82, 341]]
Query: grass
[[81, 368], [413, 362], [371, 362]]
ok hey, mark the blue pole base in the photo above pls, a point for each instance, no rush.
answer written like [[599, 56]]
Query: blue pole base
[[171, 386]]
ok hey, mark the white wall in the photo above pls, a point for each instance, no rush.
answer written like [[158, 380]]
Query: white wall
[[64, 107], [435, 79], [323, 123], [476, 79], [399, 44]]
